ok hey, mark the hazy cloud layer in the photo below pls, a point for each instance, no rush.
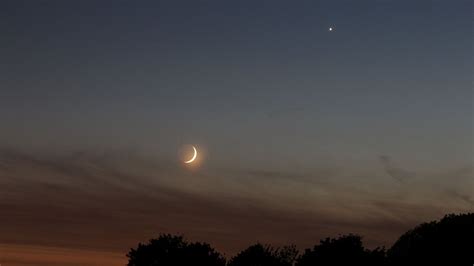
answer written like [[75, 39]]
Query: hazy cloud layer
[[110, 201]]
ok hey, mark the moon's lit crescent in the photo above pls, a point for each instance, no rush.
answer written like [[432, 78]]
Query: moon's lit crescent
[[194, 156]]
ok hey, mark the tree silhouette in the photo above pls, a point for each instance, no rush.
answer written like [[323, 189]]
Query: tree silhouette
[[260, 255], [170, 250], [447, 242], [345, 250]]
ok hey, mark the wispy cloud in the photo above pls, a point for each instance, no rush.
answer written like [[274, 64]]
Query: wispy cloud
[[395, 172], [469, 199], [113, 200]]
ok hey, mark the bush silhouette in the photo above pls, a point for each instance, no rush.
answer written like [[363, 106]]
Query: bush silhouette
[[449, 241], [170, 250], [345, 250], [260, 255]]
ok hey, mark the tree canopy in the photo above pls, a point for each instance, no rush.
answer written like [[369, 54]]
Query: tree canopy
[[169, 250], [449, 241], [345, 250], [260, 255]]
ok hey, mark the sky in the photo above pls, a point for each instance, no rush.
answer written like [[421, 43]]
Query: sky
[[302, 132]]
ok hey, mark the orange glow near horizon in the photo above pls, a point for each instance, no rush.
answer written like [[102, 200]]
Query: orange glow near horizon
[[41, 255]]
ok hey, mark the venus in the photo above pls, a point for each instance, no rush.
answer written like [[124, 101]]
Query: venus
[[194, 156]]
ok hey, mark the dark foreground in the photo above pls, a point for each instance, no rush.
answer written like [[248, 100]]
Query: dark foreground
[[449, 241]]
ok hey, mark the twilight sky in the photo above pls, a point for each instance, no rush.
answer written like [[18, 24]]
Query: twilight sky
[[307, 133]]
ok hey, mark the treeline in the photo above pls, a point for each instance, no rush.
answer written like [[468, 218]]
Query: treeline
[[449, 241]]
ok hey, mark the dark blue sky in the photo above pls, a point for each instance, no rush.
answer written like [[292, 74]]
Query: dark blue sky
[[262, 86], [394, 77]]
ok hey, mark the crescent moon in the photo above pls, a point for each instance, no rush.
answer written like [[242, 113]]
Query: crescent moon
[[194, 156]]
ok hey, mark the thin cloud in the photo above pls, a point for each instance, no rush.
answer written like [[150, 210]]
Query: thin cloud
[[461, 196], [397, 173], [111, 201]]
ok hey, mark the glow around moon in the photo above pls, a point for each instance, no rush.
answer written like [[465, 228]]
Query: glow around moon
[[194, 156]]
